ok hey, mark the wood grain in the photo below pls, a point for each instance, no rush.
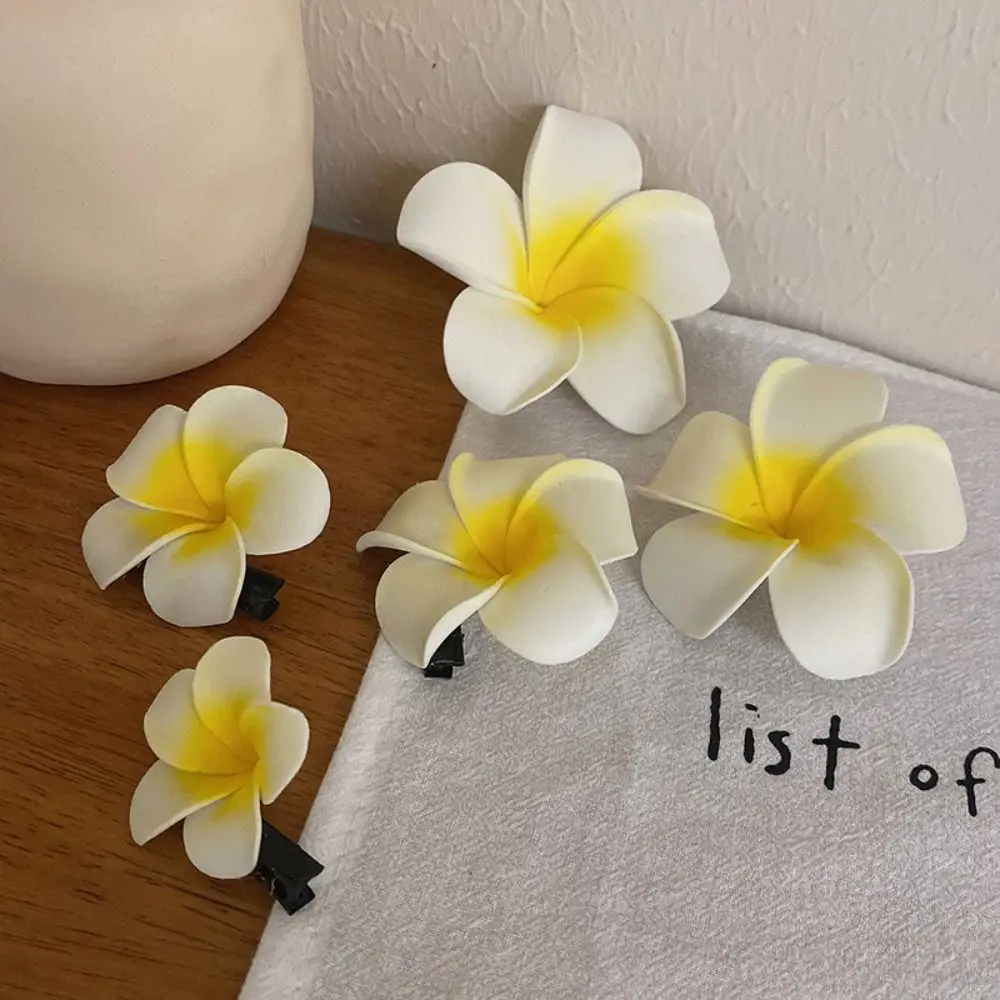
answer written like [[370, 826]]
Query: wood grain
[[354, 355]]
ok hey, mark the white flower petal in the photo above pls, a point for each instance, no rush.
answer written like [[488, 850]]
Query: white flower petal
[[710, 469], [420, 602], [587, 500], [224, 426], [165, 796], [120, 535], [800, 413], [844, 609], [467, 220], [698, 570], [631, 368], [486, 495], [896, 481], [279, 500], [424, 521], [151, 471], [578, 166], [280, 735], [502, 355], [558, 611], [177, 735], [223, 840], [233, 674], [197, 580], [659, 245]]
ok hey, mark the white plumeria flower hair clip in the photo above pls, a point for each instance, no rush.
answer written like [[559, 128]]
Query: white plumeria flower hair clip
[[579, 282], [817, 499], [522, 541], [223, 748], [196, 493]]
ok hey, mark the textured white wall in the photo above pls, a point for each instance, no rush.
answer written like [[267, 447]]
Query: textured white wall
[[849, 148]]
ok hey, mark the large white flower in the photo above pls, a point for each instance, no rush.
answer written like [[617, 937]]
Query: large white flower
[[223, 747], [816, 498], [581, 282], [521, 541], [197, 492]]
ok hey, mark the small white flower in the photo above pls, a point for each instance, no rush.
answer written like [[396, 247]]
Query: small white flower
[[223, 747], [581, 282], [816, 498], [521, 541], [197, 492]]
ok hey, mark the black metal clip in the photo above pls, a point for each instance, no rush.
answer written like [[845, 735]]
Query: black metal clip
[[450, 654], [285, 868], [258, 598]]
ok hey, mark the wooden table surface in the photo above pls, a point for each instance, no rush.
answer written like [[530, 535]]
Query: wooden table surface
[[354, 354]]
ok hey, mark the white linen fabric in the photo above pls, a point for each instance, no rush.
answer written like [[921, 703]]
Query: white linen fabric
[[561, 833]]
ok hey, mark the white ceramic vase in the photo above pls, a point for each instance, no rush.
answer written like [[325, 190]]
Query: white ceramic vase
[[155, 181]]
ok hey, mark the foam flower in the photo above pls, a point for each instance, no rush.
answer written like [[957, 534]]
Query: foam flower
[[223, 747], [522, 541], [817, 498], [579, 282], [197, 492]]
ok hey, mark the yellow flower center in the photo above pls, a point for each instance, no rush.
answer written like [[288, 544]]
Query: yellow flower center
[[228, 736], [192, 480], [594, 309], [823, 514], [816, 516], [531, 540], [192, 483], [209, 463], [548, 247], [569, 287], [605, 257], [201, 749], [497, 543]]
